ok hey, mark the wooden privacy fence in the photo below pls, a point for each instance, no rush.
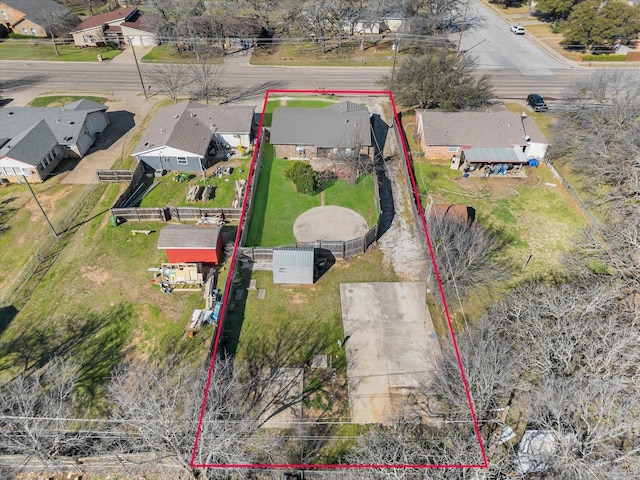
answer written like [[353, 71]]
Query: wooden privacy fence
[[180, 214], [186, 214], [338, 248], [114, 176], [140, 214], [136, 180]]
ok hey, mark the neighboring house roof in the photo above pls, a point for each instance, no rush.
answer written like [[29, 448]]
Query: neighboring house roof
[[512, 154], [455, 212], [188, 126], [189, 237], [482, 129], [144, 23], [31, 145], [341, 125], [32, 9], [64, 124], [121, 14]]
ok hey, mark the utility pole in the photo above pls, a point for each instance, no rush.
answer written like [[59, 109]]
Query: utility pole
[[396, 47], [464, 20], [135, 58], [55, 234]]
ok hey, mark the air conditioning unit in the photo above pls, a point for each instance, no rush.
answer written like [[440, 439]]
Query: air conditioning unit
[[300, 150]]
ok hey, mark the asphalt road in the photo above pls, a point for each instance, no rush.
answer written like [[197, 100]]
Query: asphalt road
[[516, 65]]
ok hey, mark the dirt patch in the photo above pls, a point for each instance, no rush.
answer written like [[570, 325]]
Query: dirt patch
[[48, 202], [497, 187], [94, 274]]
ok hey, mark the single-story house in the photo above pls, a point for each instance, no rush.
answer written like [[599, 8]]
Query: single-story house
[[105, 27], [140, 30], [28, 17], [33, 140], [293, 265], [192, 243], [374, 26], [305, 133], [187, 136], [444, 134]]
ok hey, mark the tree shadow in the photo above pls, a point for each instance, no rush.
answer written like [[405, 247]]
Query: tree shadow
[[97, 341], [19, 83], [257, 91]]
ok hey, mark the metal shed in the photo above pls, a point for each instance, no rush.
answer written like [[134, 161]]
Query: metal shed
[[293, 265]]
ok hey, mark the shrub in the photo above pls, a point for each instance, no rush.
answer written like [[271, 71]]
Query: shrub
[[604, 58], [304, 177]]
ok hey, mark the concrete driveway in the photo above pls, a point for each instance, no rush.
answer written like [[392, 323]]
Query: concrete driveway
[[391, 346], [126, 114]]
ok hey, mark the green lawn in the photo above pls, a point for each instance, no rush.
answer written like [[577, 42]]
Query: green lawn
[[298, 102], [97, 303], [59, 100], [168, 54], [536, 218], [276, 204], [170, 192], [359, 197], [14, 49]]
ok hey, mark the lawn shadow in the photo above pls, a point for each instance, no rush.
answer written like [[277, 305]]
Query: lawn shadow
[[97, 341], [387, 207], [234, 314]]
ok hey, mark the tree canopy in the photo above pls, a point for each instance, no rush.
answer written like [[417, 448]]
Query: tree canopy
[[438, 79], [593, 23]]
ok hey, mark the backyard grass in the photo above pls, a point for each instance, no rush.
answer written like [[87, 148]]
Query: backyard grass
[[276, 203], [171, 192], [285, 101], [359, 197], [97, 303], [536, 218], [59, 100], [40, 49]]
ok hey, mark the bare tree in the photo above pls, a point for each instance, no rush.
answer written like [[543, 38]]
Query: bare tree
[[56, 24], [36, 409], [169, 79], [206, 80], [468, 255]]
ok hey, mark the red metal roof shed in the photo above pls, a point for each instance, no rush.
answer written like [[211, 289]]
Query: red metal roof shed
[[192, 243]]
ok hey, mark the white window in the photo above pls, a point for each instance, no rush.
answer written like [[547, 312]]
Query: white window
[[4, 15], [347, 150], [33, 32], [182, 161], [2, 171], [26, 171], [25, 31], [453, 148]]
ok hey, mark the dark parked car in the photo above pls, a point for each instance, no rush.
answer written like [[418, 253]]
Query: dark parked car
[[536, 102]]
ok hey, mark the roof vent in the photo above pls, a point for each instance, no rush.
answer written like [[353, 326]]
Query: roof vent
[[10, 113], [176, 116], [162, 130], [192, 114], [58, 120], [71, 122]]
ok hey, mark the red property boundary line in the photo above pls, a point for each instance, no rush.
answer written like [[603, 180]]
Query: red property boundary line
[[227, 289]]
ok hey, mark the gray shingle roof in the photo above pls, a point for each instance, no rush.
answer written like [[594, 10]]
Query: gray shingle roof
[[342, 125], [188, 126], [30, 145], [480, 129], [189, 237], [64, 125], [33, 9]]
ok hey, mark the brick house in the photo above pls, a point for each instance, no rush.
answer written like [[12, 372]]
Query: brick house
[[28, 17]]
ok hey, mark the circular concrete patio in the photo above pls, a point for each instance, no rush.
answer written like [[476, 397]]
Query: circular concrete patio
[[329, 223]]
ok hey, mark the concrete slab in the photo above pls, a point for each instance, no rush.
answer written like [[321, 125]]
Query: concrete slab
[[329, 223], [391, 346], [282, 397]]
